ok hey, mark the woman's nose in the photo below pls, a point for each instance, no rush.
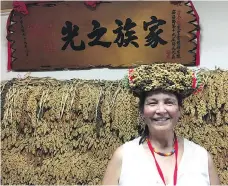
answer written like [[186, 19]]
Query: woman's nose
[[161, 108]]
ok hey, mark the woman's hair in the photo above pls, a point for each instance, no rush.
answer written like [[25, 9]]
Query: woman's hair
[[142, 98]]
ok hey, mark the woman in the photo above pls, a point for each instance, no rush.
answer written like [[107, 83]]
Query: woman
[[159, 157]]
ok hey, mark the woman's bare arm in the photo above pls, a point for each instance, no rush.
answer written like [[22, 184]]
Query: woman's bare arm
[[214, 179], [113, 170]]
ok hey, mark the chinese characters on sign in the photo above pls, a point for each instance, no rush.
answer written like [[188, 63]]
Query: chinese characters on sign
[[153, 37], [176, 34], [24, 37], [130, 37], [71, 32], [125, 34], [97, 33], [120, 34]]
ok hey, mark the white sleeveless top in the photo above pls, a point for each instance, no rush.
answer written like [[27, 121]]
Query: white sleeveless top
[[138, 171]]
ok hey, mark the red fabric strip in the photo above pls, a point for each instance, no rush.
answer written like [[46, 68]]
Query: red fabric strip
[[157, 165], [197, 35], [8, 43]]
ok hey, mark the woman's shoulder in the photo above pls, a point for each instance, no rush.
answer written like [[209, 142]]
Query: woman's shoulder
[[194, 147], [127, 147], [123, 149], [134, 141]]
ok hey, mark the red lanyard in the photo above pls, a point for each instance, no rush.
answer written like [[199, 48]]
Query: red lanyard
[[157, 165]]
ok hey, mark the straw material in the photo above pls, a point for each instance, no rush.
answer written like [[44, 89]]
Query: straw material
[[64, 132], [166, 76]]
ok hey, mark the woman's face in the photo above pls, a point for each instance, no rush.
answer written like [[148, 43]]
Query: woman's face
[[161, 111]]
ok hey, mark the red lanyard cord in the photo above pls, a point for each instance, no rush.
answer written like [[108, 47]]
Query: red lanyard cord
[[157, 165]]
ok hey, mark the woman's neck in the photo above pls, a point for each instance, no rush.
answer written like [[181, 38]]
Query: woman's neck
[[162, 140]]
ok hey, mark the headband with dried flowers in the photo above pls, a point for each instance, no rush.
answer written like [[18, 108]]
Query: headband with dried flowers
[[171, 77]]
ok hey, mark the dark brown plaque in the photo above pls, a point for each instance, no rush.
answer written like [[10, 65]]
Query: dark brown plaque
[[69, 35]]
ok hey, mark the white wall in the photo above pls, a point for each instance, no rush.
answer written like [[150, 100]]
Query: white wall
[[214, 46]]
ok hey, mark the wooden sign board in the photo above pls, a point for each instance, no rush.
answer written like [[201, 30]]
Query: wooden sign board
[[6, 5], [69, 35]]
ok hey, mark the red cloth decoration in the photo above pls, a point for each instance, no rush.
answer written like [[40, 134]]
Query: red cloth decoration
[[92, 4], [199, 89], [130, 74], [197, 35], [9, 46], [20, 6], [194, 80]]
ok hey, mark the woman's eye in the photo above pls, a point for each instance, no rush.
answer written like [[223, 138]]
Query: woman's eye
[[169, 103], [152, 103]]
